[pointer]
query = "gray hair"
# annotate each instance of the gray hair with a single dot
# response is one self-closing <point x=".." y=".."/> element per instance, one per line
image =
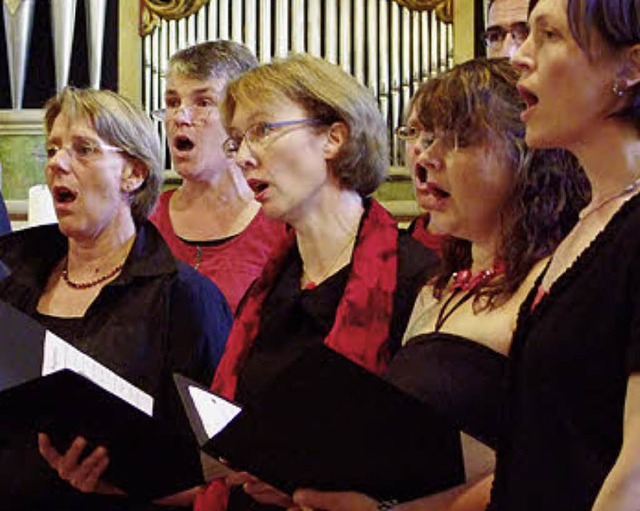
<point x="120" y="123"/>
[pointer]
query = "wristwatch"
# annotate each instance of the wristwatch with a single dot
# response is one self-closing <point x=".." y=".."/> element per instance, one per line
<point x="387" y="505"/>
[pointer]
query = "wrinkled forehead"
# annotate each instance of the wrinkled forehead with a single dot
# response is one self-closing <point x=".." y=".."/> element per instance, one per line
<point x="71" y="121"/>
<point x="185" y="85"/>
<point x="269" y="106"/>
<point x="504" y="13"/>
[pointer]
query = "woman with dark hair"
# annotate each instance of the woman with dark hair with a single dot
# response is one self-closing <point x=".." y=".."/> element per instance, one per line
<point x="574" y="422"/>
<point x="409" y="134"/>
<point x="503" y="210"/>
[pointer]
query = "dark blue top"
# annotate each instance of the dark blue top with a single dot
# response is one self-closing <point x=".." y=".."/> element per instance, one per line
<point x="157" y="317"/>
<point x="5" y="226"/>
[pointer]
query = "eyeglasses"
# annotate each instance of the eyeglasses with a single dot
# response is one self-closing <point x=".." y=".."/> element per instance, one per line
<point x="494" y="36"/>
<point x="258" y="134"/>
<point x="81" y="149"/>
<point x="197" y="113"/>
<point x="407" y="133"/>
<point x="428" y="138"/>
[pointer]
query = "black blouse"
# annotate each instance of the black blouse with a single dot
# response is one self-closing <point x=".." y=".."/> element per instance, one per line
<point x="570" y="361"/>
<point x="294" y="319"/>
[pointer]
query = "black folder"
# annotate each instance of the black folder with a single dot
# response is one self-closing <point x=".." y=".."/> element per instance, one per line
<point x="329" y="424"/>
<point x="148" y="458"/>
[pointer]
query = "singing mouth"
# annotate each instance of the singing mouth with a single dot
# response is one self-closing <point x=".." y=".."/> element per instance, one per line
<point x="529" y="97"/>
<point x="183" y="143"/>
<point x="436" y="191"/>
<point x="257" y="186"/>
<point x="421" y="174"/>
<point x="64" y="195"/>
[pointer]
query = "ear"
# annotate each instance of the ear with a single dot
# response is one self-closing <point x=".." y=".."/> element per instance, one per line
<point x="630" y="72"/>
<point x="133" y="176"/>
<point x="336" y="137"/>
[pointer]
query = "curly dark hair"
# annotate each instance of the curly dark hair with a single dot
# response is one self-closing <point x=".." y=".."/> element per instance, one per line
<point x="479" y="101"/>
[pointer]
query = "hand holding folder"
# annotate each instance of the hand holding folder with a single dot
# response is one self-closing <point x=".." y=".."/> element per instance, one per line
<point x="329" y="424"/>
<point x="47" y="385"/>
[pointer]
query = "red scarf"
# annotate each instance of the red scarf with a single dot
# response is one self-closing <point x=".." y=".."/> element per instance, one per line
<point x="420" y="231"/>
<point x="363" y="318"/>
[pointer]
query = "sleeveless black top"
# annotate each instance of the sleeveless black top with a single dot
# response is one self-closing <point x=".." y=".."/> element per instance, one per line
<point x="461" y="379"/>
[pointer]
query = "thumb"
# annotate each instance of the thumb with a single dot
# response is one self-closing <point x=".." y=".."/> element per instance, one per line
<point x="328" y="501"/>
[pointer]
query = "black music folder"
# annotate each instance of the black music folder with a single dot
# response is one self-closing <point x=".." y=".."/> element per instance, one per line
<point x="329" y="424"/>
<point x="48" y="385"/>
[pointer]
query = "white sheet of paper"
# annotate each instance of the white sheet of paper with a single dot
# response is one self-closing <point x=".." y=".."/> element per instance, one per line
<point x="59" y="354"/>
<point x="214" y="411"/>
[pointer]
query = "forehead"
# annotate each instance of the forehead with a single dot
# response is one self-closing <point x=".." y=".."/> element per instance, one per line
<point x="247" y="112"/>
<point x="184" y="85"/>
<point x="507" y="12"/>
<point x="77" y="125"/>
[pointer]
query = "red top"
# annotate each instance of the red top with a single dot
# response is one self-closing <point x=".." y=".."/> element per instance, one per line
<point x="232" y="265"/>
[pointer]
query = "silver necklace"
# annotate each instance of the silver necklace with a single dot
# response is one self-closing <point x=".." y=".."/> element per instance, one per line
<point x="626" y="190"/>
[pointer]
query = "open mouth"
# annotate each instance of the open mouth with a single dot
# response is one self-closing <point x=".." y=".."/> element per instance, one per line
<point x="529" y="97"/>
<point x="183" y="143"/>
<point x="436" y="191"/>
<point x="64" y="195"/>
<point x="421" y="174"/>
<point x="257" y="186"/>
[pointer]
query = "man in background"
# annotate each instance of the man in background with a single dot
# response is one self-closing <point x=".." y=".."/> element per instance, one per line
<point x="507" y="27"/>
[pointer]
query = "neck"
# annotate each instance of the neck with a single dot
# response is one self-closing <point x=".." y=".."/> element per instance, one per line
<point x="483" y="255"/>
<point x="101" y="253"/>
<point x="327" y="229"/>
<point x="611" y="160"/>
<point x="226" y="202"/>
<point x="222" y="191"/>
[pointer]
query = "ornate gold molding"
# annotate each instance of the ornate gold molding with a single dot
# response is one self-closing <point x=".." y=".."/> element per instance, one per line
<point x="443" y="8"/>
<point x="153" y="10"/>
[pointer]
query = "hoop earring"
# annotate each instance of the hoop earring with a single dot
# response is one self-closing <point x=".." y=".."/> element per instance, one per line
<point x="618" y="89"/>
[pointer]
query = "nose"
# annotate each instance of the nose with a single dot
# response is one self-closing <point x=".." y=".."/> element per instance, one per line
<point x="521" y="58"/>
<point x="509" y="46"/>
<point x="244" y="158"/>
<point x="413" y="148"/>
<point x="61" y="160"/>
<point x="183" y="115"/>
<point x="430" y="156"/>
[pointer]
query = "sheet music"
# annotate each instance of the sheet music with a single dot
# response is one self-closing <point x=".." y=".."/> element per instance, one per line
<point x="214" y="411"/>
<point x="59" y="355"/>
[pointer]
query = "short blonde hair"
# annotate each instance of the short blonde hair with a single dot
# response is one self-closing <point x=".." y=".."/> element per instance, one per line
<point x="119" y="123"/>
<point x="329" y="94"/>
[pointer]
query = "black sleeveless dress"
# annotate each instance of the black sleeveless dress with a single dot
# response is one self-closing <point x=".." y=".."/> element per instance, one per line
<point x="461" y="379"/>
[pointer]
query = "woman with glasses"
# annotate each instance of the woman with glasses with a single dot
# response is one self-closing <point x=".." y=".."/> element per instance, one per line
<point x="211" y="221"/>
<point x="503" y="209"/>
<point x="410" y="135"/>
<point x="312" y="145"/>
<point x="104" y="281"/>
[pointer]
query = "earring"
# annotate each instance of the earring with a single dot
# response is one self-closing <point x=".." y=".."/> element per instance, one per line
<point x="618" y="89"/>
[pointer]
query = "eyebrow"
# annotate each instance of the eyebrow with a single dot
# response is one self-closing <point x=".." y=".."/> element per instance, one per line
<point x="201" y="90"/>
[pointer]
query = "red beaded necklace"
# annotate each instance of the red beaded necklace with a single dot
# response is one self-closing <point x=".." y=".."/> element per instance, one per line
<point x="465" y="280"/>
<point x="91" y="283"/>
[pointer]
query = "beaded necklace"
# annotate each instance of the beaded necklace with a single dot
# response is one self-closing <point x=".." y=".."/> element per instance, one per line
<point x="465" y="280"/>
<point x="91" y="283"/>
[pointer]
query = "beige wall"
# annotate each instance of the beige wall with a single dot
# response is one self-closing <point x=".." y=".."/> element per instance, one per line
<point x="129" y="51"/>
<point x="463" y="30"/>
